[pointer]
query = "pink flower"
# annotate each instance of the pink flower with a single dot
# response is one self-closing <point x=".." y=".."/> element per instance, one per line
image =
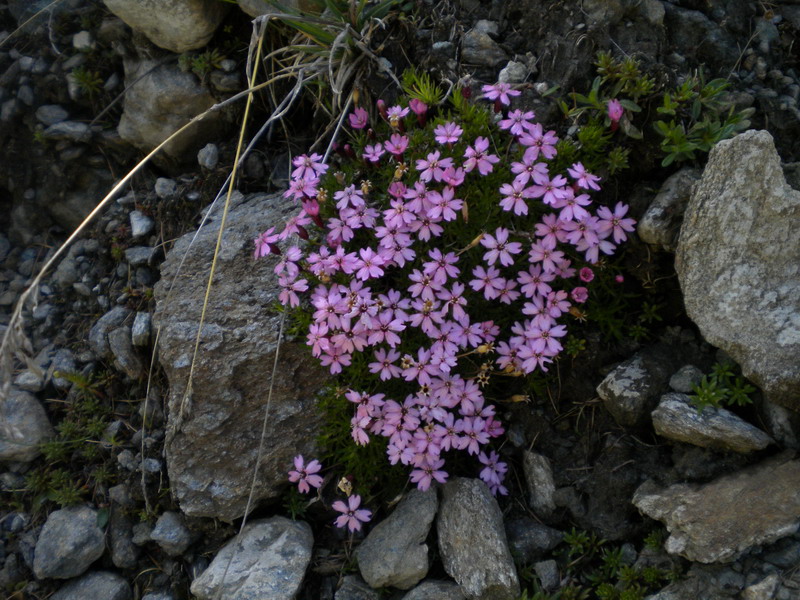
<point x="499" y="92"/>
<point x="499" y="247"/>
<point x="586" y="274"/>
<point x="614" y="222"/>
<point x="397" y="144"/>
<point x="305" y="475"/>
<point x="582" y="178"/>
<point x="418" y="106"/>
<point x="515" y="195"/>
<point x="517" y="122"/>
<point x="265" y="243"/>
<point x="309" y="167"/>
<point x="615" y="110"/>
<point x="351" y="516"/>
<point x="449" y="133"/>
<point x="427" y="472"/>
<point x="477" y="157"/>
<point x="579" y="294"/>
<point x="358" y="118"/>
<point x="433" y="167"/>
<point x="373" y="153"/>
<point x="619" y="278"/>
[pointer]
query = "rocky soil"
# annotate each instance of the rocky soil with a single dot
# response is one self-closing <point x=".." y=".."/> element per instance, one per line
<point x="120" y="482"/>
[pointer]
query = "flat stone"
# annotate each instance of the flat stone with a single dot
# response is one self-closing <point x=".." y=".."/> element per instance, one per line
<point x="395" y="553"/>
<point x="98" y="334"/>
<point x="738" y="263"/>
<point x="50" y="114"/>
<point x="719" y="521"/>
<point x="472" y="542"/>
<point x="529" y="540"/>
<point x="141" y="224"/>
<point x="138" y="255"/>
<point x="69" y="543"/>
<point x="478" y="48"/>
<point x="677" y="419"/>
<point x="268" y="560"/>
<point x="355" y="588"/>
<point x="547" y="572"/>
<point x="208" y="156"/>
<point x="24" y="427"/>
<point x="685" y="379"/>
<point x="166" y="188"/>
<point x="30" y="381"/>
<point x="74" y="131"/>
<point x="97" y="585"/>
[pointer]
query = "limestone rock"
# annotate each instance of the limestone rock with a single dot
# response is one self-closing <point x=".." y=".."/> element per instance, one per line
<point x="738" y="263"/>
<point x="677" y="419"/>
<point x="213" y="437"/>
<point x="175" y="25"/>
<point x="160" y="99"/>
<point x="435" y="590"/>
<point x="70" y="541"/>
<point x="472" y="542"/>
<point x="719" y="521"/>
<point x="171" y="534"/>
<point x="394" y="553"/>
<point x="269" y="560"/>
<point x="23" y="426"/>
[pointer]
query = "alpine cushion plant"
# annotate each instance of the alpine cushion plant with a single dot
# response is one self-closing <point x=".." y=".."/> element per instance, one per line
<point x="426" y="226"/>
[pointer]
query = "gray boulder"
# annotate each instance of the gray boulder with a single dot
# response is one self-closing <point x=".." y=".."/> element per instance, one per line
<point x="23" y="426"/>
<point x="176" y="25"/>
<point x="70" y="541"/>
<point x="394" y="553"/>
<point x="255" y="8"/>
<point x="268" y="560"/>
<point x="355" y="588"/>
<point x="472" y="542"/>
<point x="160" y="99"/>
<point x="478" y="48"/>
<point x="529" y="540"/>
<point x="100" y="584"/>
<point x="677" y="419"/>
<point x="738" y="263"/>
<point x="214" y="431"/>
<point x="98" y="334"/>
<point x="719" y="521"/>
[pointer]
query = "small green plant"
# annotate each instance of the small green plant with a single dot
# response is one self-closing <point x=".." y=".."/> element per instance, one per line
<point x="89" y="82"/>
<point x="420" y="85"/>
<point x="201" y="64"/>
<point x="724" y="386"/>
<point x="655" y="539"/>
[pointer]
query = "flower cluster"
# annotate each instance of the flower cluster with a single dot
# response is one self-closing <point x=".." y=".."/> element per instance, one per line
<point x="386" y="283"/>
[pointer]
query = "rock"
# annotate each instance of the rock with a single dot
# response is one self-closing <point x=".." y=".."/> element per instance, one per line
<point x="212" y="440"/>
<point x="719" y="521"/>
<point x="472" y="542"/>
<point x="699" y="37"/>
<point x="208" y="156"/>
<point x="158" y="596"/>
<point x="513" y="72"/>
<point x="685" y="379"/>
<point x="764" y="589"/>
<point x="70" y="541"/>
<point x="171" y="534"/>
<point x="50" y="114"/>
<point x="30" y="381"/>
<point x="163" y="100"/>
<point x="631" y="391"/>
<point x="478" y="48"/>
<point x="354" y="588"/>
<point x="63" y="362"/>
<point x="124" y="552"/>
<point x="141" y="224"/>
<point x="23" y="427"/>
<point x="781" y="423"/>
<point x="141" y="534"/>
<point x="100" y="584"/>
<point x="138" y="255"/>
<point x="677" y="419"/>
<point x="738" y="263"/>
<point x="547" y="572"/>
<point x="83" y="41"/>
<point x="435" y="590"/>
<point x="140" y="332"/>
<point x="541" y="487"/>
<point x="165" y="187"/>
<point x="394" y="553"/>
<point x="709" y="582"/>
<point x="529" y="540"/>
<point x="268" y="560"/>
<point x="98" y="334"/>
<point x="662" y="220"/>
<point x="73" y="131"/>
<point x="125" y="356"/>
<point x="175" y="25"/>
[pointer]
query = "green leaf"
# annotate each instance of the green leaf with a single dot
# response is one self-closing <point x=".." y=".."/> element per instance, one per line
<point x="630" y="105"/>
<point x="103" y="515"/>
